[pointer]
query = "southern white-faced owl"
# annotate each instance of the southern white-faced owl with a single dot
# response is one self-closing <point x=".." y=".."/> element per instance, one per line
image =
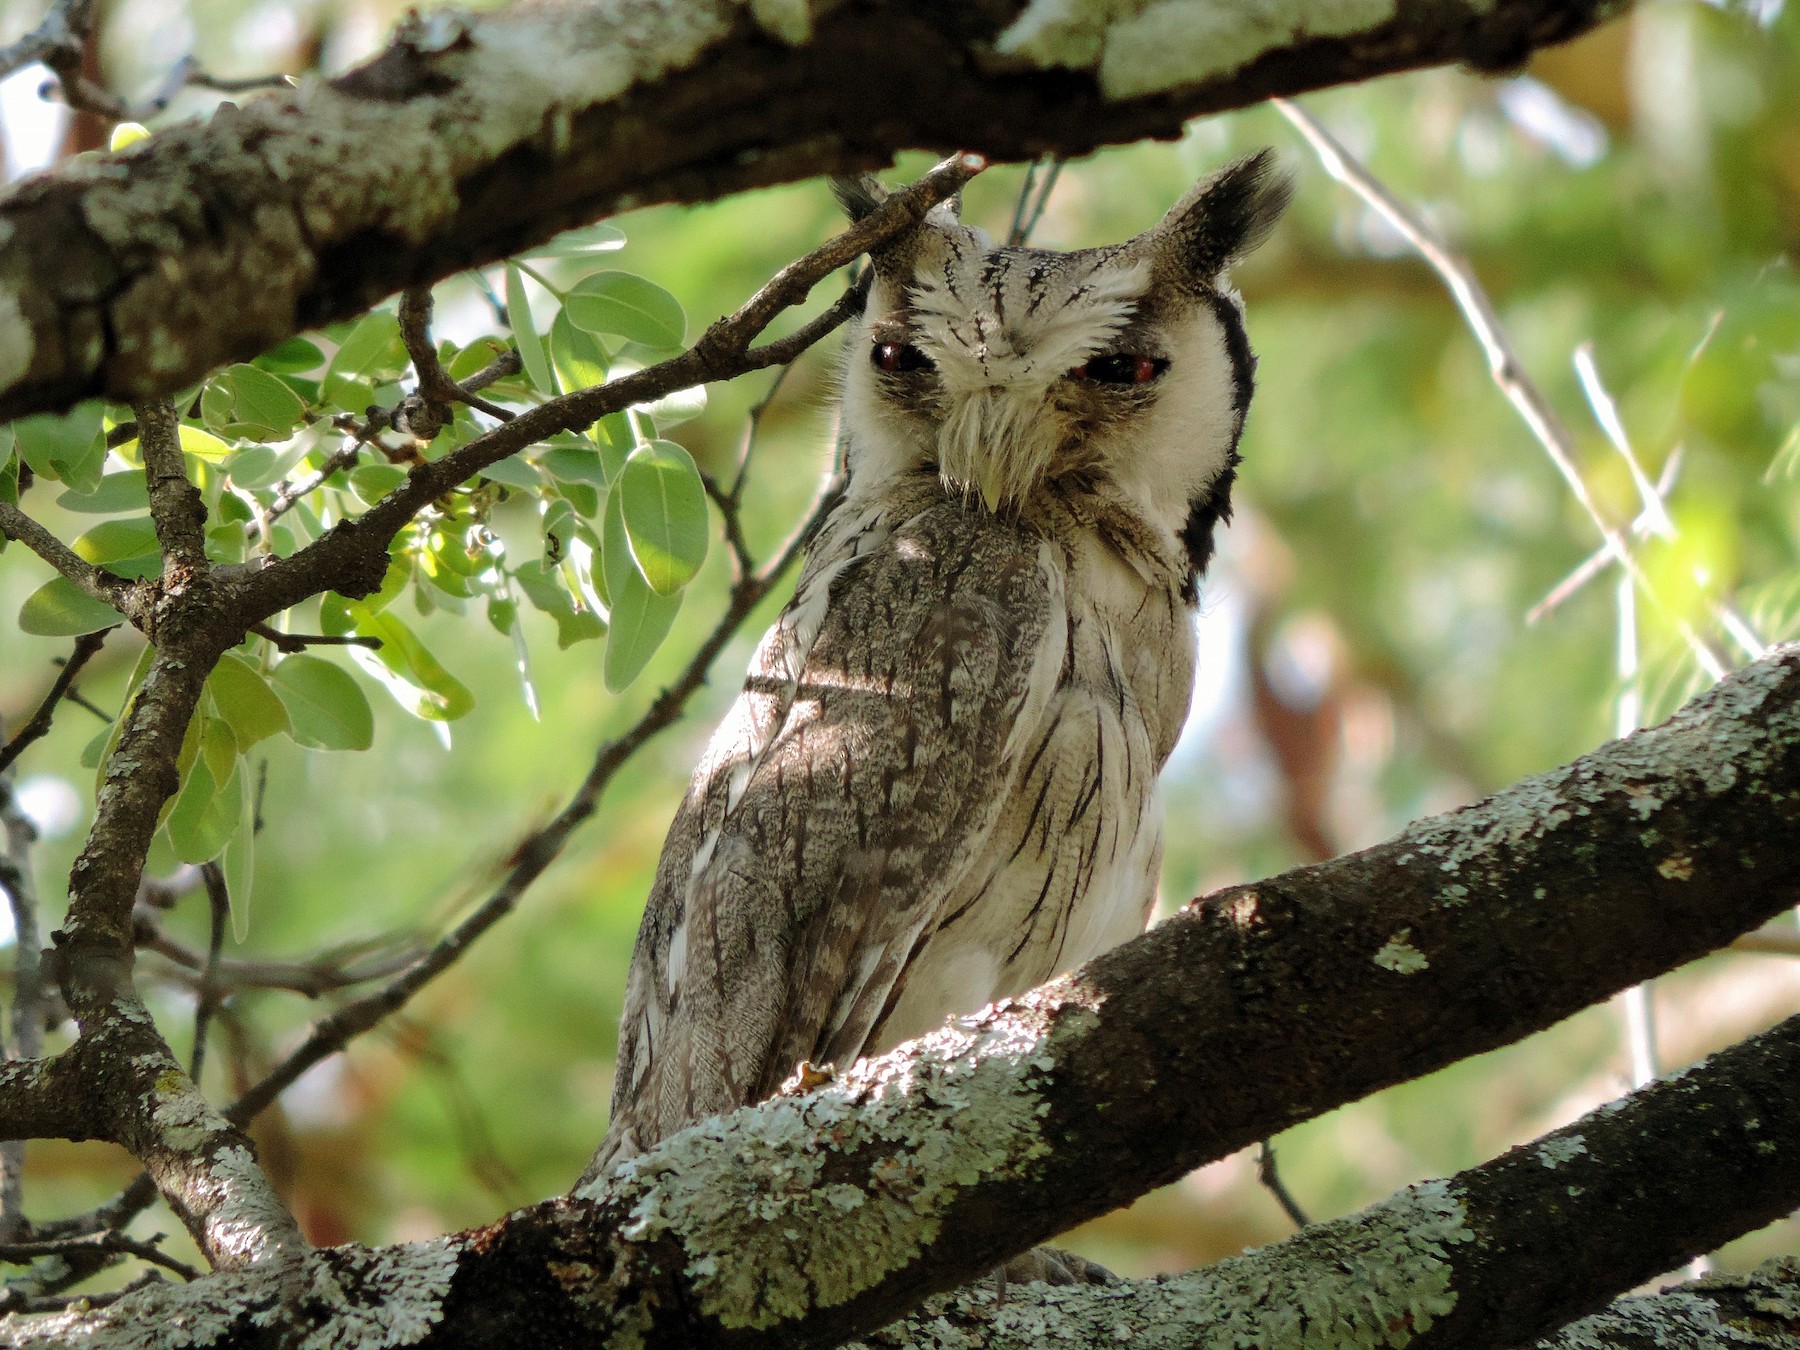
<point x="938" y="787"/>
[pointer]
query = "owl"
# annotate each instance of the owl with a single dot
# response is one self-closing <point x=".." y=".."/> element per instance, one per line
<point x="939" y="785"/>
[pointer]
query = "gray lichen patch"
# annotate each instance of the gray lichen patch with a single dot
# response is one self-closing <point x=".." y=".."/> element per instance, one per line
<point x="1553" y="1153"/>
<point x="1400" y="956"/>
<point x="1148" y="46"/>
<point x="1690" y="1315"/>
<point x="352" y="1298"/>
<point x="1376" y="1279"/>
<point x="776" y="1220"/>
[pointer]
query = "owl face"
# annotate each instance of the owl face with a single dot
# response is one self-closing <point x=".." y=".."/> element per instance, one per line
<point x="1007" y="368"/>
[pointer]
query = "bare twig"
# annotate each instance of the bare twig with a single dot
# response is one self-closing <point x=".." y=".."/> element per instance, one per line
<point x="1028" y="211"/>
<point x="290" y="643"/>
<point x="85" y="647"/>
<point x="206" y="996"/>
<point x="309" y="978"/>
<point x="436" y="388"/>
<point x="111" y="1243"/>
<point x="1508" y="374"/>
<point x="1270" y="1177"/>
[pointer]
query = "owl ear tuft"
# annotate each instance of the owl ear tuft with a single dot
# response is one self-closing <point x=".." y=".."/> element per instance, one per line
<point x="1222" y="219"/>
<point x="858" y="195"/>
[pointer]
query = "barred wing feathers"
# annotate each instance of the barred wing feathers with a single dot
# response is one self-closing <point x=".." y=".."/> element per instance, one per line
<point x="853" y="785"/>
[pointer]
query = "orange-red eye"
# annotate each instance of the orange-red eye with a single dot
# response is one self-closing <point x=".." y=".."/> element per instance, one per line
<point x="898" y="358"/>
<point x="1120" y="368"/>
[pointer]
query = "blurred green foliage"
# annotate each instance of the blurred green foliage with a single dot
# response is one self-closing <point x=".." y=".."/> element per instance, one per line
<point x="1365" y="648"/>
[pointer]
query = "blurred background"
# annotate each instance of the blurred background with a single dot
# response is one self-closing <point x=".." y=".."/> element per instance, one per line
<point x="1374" y="640"/>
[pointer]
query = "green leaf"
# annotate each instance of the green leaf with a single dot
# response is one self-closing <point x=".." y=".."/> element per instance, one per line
<point x="207" y="812"/>
<point x="578" y="356"/>
<point x="114" y="492"/>
<point x="663" y="506"/>
<point x="239" y="863"/>
<point x="406" y="667"/>
<point x="370" y="351"/>
<point x="640" y="618"/>
<point x="254" y="466"/>
<point x="264" y="407"/>
<point x="327" y="707"/>
<point x="628" y="306"/>
<point x="296" y="356"/>
<point x="67" y="447"/>
<point x="514" y="472"/>
<point x="245" y="701"/>
<point x="544" y="587"/>
<point x="372" y="482"/>
<point x="127" y="134"/>
<point x="558" y="525"/>
<point x="113" y="540"/>
<point x="60" y="608"/>
<point x="591" y="239"/>
<point x="525" y="333"/>
<point x="571" y="464"/>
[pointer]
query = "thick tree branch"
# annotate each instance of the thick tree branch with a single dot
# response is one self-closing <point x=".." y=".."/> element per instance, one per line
<point x="473" y="137"/>
<point x="812" y="1218"/>
<point x="176" y="507"/>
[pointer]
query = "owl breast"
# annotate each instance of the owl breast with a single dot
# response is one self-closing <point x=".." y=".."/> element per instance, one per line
<point x="1069" y="868"/>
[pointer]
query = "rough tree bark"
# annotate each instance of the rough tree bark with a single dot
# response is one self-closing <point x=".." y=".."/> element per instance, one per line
<point x="470" y="138"/>
<point x="812" y="1219"/>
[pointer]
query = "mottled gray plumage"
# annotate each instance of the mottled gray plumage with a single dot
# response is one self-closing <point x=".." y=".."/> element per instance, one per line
<point x="938" y="786"/>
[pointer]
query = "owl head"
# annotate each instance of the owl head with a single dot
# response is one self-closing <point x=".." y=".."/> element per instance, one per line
<point x="1006" y="369"/>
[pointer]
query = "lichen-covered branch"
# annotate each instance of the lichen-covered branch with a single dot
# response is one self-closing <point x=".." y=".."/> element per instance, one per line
<point x="813" y="1218"/>
<point x="176" y="506"/>
<point x="472" y="137"/>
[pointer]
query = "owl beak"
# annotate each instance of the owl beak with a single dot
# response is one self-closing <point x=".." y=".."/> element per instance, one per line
<point x="987" y="482"/>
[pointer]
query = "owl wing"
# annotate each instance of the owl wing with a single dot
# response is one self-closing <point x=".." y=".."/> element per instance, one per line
<point x="856" y="778"/>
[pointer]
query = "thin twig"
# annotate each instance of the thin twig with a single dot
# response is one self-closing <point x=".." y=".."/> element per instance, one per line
<point x="1504" y="366"/>
<point x="436" y="387"/>
<point x="39" y="724"/>
<point x="1270" y="1176"/>
<point x="111" y="1243"/>
<point x="95" y="582"/>
<point x="290" y="643"/>
<point x="206" y="997"/>
<point x="309" y="978"/>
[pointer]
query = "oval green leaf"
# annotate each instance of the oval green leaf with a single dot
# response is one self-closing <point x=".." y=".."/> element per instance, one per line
<point x="60" y="608"/>
<point x="640" y="618"/>
<point x="663" y="506"/>
<point x="327" y="708"/>
<point x="525" y="333"/>
<point x="628" y="306"/>
<point x="245" y="700"/>
<point x="114" y="492"/>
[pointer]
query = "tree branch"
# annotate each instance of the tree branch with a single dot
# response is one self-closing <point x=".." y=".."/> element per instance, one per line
<point x="95" y="582"/>
<point x="812" y="1218"/>
<point x="324" y="199"/>
<point x="39" y="723"/>
<point x="176" y="508"/>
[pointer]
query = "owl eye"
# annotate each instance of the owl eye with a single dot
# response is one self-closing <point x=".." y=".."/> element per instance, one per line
<point x="898" y="358"/>
<point x="1120" y="368"/>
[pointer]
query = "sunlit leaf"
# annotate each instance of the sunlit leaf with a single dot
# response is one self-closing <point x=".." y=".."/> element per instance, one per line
<point x="264" y="407"/>
<point x="544" y="587"/>
<point x="663" y="505"/>
<point x="245" y="701"/>
<point x="60" y="608"/>
<point x="67" y="447"/>
<point x="328" y="709"/>
<point x="207" y="812"/>
<point x="126" y="134"/>
<point x="112" y="540"/>
<point x="578" y="356"/>
<point x="369" y="351"/>
<point x="406" y="667"/>
<point x="296" y="356"/>
<point x="372" y="482"/>
<point x="590" y="239"/>
<point x="525" y="333"/>
<point x="628" y="306"/>
<point x="640" y="618"/>
<point x="114" y="492"/>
